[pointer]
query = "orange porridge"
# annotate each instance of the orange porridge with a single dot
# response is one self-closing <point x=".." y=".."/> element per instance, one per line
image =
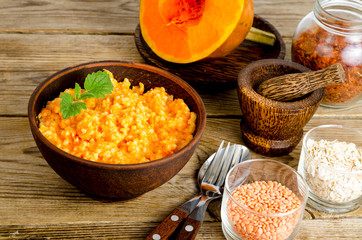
<point x="127" y="126"/>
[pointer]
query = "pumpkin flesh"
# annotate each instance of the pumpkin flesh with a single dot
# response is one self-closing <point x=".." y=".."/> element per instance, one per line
<point x="185" y="31"/>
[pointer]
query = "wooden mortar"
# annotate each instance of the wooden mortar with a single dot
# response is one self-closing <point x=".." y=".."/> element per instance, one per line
<point x="270" y="127"/>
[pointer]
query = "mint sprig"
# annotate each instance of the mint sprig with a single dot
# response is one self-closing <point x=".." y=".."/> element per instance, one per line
<point x="96" y="85"/>
<point x="69" y="107"/>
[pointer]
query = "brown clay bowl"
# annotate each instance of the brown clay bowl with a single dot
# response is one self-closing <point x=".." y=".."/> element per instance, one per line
<point x="272" y="127"/>
<point x="115" y="181"/>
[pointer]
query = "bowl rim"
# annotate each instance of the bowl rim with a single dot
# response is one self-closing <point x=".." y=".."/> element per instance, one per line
<point x="314" y="98"/>
<point x="89" y="163"/>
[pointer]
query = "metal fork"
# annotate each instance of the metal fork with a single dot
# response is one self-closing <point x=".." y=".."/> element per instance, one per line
<point x="211" y="187"/>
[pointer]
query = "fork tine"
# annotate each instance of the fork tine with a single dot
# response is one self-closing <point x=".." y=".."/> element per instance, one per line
<point x="246" y="154"/>
<point x="227" y="161"/>
<point x="209" y="170"/>
<point x="217" y="169"/>
<point x="216" y="164"/>
<point x="223" y="160"/>
<point x="238" y="155"/>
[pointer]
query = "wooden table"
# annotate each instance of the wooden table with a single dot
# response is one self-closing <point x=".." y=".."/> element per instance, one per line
<point x="38" y="38"/>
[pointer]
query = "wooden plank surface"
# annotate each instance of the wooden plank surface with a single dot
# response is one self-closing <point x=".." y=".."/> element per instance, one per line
<point x="118" y="17"/>
<point x="311" y="229"/>
<point x="31" y="188"/>
<point x="19" y="85"/>
<point x="40" y="37"/>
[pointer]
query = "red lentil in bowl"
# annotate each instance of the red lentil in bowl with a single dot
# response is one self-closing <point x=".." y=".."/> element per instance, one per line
<point x="115" y="181"/>
<point x="127" y="126"/>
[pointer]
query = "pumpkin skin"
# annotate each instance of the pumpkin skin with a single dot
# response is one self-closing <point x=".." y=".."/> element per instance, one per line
<point x="185" y="31"/>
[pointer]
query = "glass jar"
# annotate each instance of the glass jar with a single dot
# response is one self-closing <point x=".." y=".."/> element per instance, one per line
<point x="263" y="199"/>
<point x="332" y="33"/>
<point x="330" y="163"/>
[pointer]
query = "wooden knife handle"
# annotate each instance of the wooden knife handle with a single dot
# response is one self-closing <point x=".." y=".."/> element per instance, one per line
<point x="193" y="222"/>
<point x="189" y="229"/>
<point x="165" y="229"/>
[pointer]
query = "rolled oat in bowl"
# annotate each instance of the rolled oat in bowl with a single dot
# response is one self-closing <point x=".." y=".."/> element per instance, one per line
<point x="331" y="163"/>
<point x="341" y="157"/>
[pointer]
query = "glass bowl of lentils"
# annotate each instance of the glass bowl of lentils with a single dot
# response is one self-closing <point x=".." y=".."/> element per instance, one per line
<point x="263" y="199"/>
<point x="331" y="164"/>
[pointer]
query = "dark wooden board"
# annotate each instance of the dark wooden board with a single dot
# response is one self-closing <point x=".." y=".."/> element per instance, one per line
<point x="221" y="71"/>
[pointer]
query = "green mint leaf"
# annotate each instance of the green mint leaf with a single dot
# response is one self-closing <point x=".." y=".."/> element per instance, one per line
<point x="96" y="85"/>
<point x="68" y="108"/>
<point x="66" y="100"/>
<point x="99" y="84"/>
<point x="77" y="91"/>
<point x="86" y="95"/>
<point x="75" y="108"/>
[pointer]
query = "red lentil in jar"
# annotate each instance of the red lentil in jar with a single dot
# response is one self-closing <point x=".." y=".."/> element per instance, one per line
<point x="263" y="199"/>
<point x="268" y="201"/>
<point x="333" y="33"/>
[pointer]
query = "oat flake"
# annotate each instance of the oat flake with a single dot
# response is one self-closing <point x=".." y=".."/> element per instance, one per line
<point x="332" y="170"/>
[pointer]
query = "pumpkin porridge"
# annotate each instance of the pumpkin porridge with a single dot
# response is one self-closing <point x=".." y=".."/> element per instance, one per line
<point x="126" y="127"/>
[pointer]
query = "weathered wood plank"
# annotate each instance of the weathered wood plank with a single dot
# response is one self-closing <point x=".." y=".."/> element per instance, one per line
<point x="16" y="88"/>
<point x="51" y="53"/>
<point x="310" y="229"/>
<point x="118" y="17"/>
<point x="69" y="16"/>
<point x="41" y="52"/>
<point x="40" y="37"/>
<point x="29" y="187"/>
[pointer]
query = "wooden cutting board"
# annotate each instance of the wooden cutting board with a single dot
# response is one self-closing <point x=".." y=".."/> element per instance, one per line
<point x="222" y="71"/>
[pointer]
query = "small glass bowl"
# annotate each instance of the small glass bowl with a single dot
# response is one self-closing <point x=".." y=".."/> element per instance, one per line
<point x="241" y="222"/>
<point x="332" y="190"/>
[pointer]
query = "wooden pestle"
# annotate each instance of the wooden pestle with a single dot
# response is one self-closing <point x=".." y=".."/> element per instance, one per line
<point x="292" y="86"/>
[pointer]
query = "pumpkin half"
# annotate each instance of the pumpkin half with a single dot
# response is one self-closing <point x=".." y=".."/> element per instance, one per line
<point x="185" y="31"/>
